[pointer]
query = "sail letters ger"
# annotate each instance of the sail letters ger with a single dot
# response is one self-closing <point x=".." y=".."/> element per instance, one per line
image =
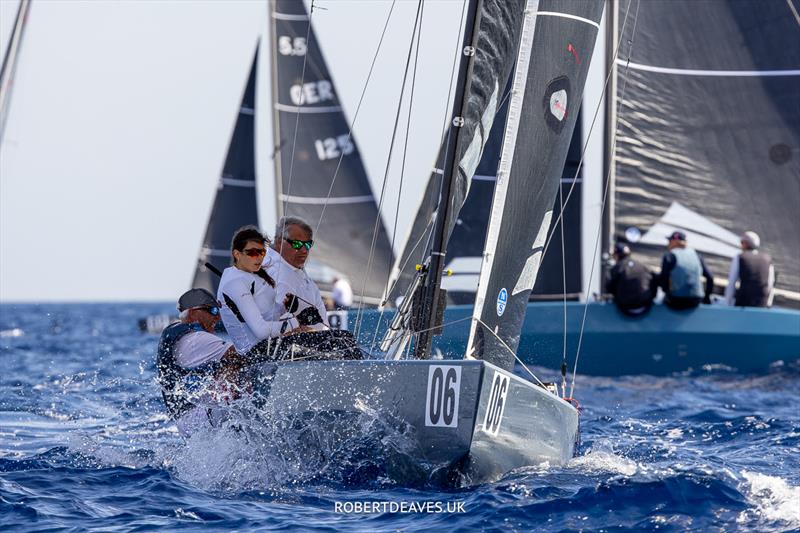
<point x="235" y="202"/>
<point x="311" y="137"/>
<point x="710" y="120"/>
<point x="556" y="45"/>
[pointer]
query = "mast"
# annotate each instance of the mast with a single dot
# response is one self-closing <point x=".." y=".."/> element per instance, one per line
<point x="10" y="59"/>
<point x="431" y="290"/>
<point x="609" y="165"/>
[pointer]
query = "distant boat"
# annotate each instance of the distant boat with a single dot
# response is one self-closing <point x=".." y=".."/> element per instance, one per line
<point x="700" y="181"/>
<point x="309" y="151"/>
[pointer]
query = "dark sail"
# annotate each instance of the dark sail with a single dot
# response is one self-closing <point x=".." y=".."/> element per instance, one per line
<point x="311" y="137"/>
<point x="555" y="49"/>
<point x="709" y="131"/>
<point x="235" y="202"/>
<point x="465" y="247"/>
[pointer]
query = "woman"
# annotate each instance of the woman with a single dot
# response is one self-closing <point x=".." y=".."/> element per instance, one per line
<point x="247" y="293"/>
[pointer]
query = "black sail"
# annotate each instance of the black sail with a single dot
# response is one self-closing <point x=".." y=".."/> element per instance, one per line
<point x="709" y="131"/>
<point x="311" y="137"/>
<point x="235" y="202"/>
<point x="555" y="49"/>
<point x="465" y="247"/>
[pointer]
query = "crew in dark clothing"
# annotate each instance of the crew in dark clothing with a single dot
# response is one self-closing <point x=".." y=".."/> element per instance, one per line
<point x="754" y="271"/>
<point x="681" y="269"/>
<point x="630" y="282"/>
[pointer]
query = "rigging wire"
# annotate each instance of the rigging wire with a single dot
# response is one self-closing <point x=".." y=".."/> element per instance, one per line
<point x="564" y="291"/>
<point x="608" y="180"/>
<point x="444" y="135"/>
<point x="359" y="314"/>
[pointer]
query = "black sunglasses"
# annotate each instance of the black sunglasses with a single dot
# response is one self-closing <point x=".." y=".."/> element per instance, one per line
<point x="299" y="244"/>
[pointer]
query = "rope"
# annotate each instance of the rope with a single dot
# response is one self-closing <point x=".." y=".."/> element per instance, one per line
<point x="503" y="343"/>
<point x="608" y="181"/>
<point x="563" y="290"/>
<point x="417" y="21"/>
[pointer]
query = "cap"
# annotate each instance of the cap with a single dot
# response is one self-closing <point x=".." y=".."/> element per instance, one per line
<point x="196" y="298"/>
<point x="621" y="249"/>
<point x="676" y="236"/>
<point x="752" y="239"/>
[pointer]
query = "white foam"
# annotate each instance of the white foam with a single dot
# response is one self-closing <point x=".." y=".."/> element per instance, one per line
<point x="602" y="459"/>
<point x="772" y="498"/>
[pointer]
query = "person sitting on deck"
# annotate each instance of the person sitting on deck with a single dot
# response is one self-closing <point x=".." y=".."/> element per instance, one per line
<point x="248" y="294"/>
<point x="754" y="272"/>
<point x="194" y="365"/>
<point x="295" y="291"/>
<point x="681" y="269"/>
<point x="630" y="282"/>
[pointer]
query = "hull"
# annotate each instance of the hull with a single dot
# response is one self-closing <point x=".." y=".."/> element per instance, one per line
<point x="453" y="416"/>
<point x="662" y="342"/>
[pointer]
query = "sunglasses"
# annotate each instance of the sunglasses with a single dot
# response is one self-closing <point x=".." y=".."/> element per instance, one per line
<point x="254" y="252"/>
<point x="213" y="311"/>
<point x="299" y="244"/>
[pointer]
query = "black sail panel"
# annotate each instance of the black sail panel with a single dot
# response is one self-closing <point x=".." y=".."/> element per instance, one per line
<point x="708" y="136"/>
<point x="235" y="201"/>
<point x="311" y="137"/>
<point x="556" y="47"/>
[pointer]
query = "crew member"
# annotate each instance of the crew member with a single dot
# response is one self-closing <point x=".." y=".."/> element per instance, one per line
<point x="342" y="294"/>
<point x="630" y="282"/>
<point x="681" y="269"/>
<point x="755" y="273"/>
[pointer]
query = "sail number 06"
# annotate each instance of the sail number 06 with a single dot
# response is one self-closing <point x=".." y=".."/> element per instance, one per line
<point x="496" y="405"/>
<point x="444" y="388"/>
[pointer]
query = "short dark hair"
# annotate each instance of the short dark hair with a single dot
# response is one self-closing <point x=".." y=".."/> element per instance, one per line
<point x="244" y="235"/>
<point x="282" y="227"/>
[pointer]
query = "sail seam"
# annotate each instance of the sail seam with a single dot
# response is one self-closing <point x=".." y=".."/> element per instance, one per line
<point x="216" y="252"/>
<point x="708" y="72"/>
<point x="568" y="16"/>
<point x="287" y="16"/>
<point x="506" y="158"/>
<point x="233" y="182"/>
<point x="322" y="200"/>
<point x="295" y="109"/>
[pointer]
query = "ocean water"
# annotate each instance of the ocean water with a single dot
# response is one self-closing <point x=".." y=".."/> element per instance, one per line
<point x="85" y="444"/>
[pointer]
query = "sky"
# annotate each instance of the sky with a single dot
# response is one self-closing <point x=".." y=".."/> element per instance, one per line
<point x="122" y="112"/>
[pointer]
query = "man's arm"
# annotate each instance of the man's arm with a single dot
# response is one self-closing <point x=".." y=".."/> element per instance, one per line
<point x="733" y="275"/>
<point x="611" y="282"/>
<point x="667" y="264"/>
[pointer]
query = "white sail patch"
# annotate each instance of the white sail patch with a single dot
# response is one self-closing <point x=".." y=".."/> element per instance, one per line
<point x="472" y="155"/>
<point x="558" y="104"/>
<point x="312" y="92"/>
<point x="528" y="275"/>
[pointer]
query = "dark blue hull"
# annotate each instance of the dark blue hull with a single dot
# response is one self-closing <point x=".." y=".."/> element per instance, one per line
<point x="662" y="342"/>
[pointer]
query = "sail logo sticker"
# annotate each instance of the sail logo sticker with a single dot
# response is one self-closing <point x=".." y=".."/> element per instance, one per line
<point x="502" y="300"/>
<point x="497" y="404"/>
<point x="444" y="389"/>
<point x="556" y="100"/>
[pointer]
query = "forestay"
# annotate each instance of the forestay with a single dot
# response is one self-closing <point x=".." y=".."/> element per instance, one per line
<point x="709" y="130"/>
<point x="235" y="201"/>
<point x="319" y="173"/>
<point x="556" y="45"/>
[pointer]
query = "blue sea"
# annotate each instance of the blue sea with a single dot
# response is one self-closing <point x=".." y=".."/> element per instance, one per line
<point x="85" y="445"/>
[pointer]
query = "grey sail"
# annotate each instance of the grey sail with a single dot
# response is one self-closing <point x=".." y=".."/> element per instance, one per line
<point x="556" y="46"/>
<point x="319" y="173"/>
<point x="465" y="246"/>
<point x="10" y="59"/>
<point x="235" y="201"/>
<point x="709" y="131"/>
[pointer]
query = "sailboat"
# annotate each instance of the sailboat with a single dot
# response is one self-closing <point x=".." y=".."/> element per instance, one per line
<point x="319" y="174"/>
<point x="659" y="181"/>
<point x="475" y="414"/>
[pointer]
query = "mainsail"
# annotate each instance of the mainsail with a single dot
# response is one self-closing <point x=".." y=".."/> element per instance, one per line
<point x="235" y="202"/>
<point x="709" y="130"/>
<point x="556" y="45"/>
<point x="319" y="173"/>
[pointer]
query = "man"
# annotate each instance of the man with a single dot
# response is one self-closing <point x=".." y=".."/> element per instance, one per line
<point x="192" y="362"/>
<point x="342" y="294"/>
<point x="284" y="262"/>
<point x="630" y="282"/>
<point x="681" y="269"/>
<point x="754" y="272"/>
